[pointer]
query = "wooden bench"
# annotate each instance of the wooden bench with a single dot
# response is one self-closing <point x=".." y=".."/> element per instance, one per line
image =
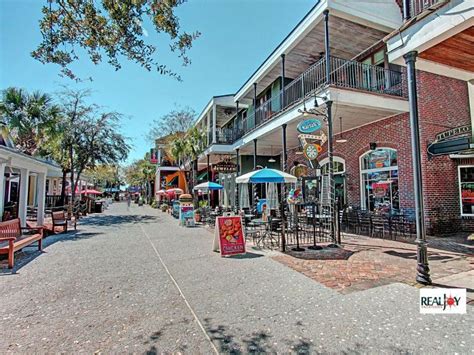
<point x="12" y="239"/>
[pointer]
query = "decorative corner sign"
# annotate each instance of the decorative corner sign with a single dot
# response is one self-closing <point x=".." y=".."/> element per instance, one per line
<point x="309" y="126"/>
<point x="311" y="151"/>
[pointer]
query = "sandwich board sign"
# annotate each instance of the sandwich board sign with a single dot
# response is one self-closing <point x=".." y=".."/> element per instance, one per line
<point x="229" y="236"/>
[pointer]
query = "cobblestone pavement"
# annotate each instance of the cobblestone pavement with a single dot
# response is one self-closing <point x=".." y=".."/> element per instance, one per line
<point x="364" y="263"/>
<point x="133" y="281"/>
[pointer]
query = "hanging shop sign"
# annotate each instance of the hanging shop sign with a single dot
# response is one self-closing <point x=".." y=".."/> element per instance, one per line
<point x="225" y="167"/>
<point x="309" y="126"/>
<point x="299" y="170"/>
<point x="452" y="141"/>
<point x="453" y="132"/>
<point x="229" y="236"/>
<point x="311" y="151"/>
<point x="450" y="146"/>
<point x="321" y="137"/>
<point x="153" y="156"/>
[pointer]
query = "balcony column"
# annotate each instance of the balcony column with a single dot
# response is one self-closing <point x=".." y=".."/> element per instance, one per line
<point x="41" y="198"/>
<point x="255" y="95"/>
<point x="2" y="188"/>
<point x="284" y="163"/>
<point x="406" y="10"/>
<point x="237" y="125"/>
<point x="254" y="192"/>
<point x="237" y="186"/>
<point x="423" y="270"/>
<point x="330" y="128"/>
<point x="327" y="47"/>
<point x="282" y="82"/>
<point x="214" y="124"/>
<point x="208" y="168"/>
<point x="209" y="129"/>
<point x="255" y="104"/>
<point x="331" y="168"/>
<point x="23" y="198"/>
<point x="283" y="189"/>
<point x="254" y="154"/>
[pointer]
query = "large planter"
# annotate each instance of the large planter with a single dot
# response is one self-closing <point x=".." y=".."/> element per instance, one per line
<point x="197" y="216"/>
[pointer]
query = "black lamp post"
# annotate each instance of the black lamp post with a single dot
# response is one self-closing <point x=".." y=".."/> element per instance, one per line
<point x="423" y="270"/>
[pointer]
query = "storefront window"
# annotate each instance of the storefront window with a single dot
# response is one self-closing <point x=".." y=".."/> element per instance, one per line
<point x="466" y="190"/>
<point x="379" y="177"/>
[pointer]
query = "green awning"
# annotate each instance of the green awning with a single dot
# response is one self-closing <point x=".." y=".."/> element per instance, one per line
<point x="202" y="177"/>
<point x="173" y="182"/>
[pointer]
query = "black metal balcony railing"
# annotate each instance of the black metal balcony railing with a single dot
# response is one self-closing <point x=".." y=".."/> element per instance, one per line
<point x="418" y="6"/>
<point x="343" y="73"/>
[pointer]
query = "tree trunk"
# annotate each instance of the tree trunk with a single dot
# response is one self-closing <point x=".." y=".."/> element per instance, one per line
<point x="73" y="186"/>
<point x="63" y="188"/>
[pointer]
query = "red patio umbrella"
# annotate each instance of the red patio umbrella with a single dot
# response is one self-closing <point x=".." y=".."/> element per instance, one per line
<point x="91" y="192"/>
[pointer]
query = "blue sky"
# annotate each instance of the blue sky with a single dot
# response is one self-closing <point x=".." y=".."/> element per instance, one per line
<point x="237" y="35"/>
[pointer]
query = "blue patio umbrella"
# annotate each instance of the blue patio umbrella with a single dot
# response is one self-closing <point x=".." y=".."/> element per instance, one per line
<point x="265" y="176"/>
<point x="209" y="185"/>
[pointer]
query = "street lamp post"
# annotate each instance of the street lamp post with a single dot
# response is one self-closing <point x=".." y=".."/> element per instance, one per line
<point x="423" y="270"/>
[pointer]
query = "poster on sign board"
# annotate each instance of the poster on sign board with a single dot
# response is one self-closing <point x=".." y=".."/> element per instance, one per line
<point x="229" y="236"/>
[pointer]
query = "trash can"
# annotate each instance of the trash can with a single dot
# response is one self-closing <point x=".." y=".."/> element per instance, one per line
<point x="98" y="207"/>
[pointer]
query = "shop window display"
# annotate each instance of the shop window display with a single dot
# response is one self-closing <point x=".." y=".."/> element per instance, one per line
<point x="379" y="178"/>
<point x="466" y="190"/>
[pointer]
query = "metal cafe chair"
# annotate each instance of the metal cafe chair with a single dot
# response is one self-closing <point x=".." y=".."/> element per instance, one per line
<point x="378" y="226"/>
<point x="364" y="223"/>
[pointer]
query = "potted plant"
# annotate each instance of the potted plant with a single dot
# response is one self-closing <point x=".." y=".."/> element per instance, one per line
<point x="164" y="207"/>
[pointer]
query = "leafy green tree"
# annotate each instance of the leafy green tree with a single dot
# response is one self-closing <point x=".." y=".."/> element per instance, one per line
<point x="85" y="137"/>
<point x="113" y="29"/>
<point x="105" y="175"/>
<point x="30" y="118"/>
<point x="141" y="173"/>
<point x="175" y="122"/>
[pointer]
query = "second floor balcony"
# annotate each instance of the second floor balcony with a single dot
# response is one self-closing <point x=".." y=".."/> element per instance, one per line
<point x="345" y="74"/>
<point x="416" y="7"/>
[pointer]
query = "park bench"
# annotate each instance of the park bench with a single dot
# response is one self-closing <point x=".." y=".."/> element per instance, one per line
<point x="12" y="239"/>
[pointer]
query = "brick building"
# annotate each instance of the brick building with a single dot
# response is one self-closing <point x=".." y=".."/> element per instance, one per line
<point x="443" y="104"/>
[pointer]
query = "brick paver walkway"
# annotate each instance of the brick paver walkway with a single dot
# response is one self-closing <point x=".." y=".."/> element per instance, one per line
<point x="363" y="263"/>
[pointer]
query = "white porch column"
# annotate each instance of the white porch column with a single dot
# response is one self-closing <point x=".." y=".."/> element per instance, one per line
<point x="214" y="124"/>
<point x="2" y="188"/>
<point x="209" y="130"/>
<point x="157" y="181"/>
<point x="41" y="197"/>
<point x="23" y="199"/>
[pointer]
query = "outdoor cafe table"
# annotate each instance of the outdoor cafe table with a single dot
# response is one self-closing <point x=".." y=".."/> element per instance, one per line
<point x="264" y="232"/>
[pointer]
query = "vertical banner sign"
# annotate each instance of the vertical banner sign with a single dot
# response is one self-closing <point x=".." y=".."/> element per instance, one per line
<point x="229" y="236"/>
<point x="153" y="156"/>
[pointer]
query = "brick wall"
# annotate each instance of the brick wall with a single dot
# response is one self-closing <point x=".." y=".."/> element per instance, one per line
<point x="443" y="104"/>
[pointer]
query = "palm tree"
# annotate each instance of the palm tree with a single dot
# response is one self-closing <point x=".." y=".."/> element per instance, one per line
<point x="177" y="149"/>
<point x="30" y="118"/>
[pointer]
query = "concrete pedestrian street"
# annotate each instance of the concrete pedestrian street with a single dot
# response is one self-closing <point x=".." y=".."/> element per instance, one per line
<point x="134" y="281"/>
